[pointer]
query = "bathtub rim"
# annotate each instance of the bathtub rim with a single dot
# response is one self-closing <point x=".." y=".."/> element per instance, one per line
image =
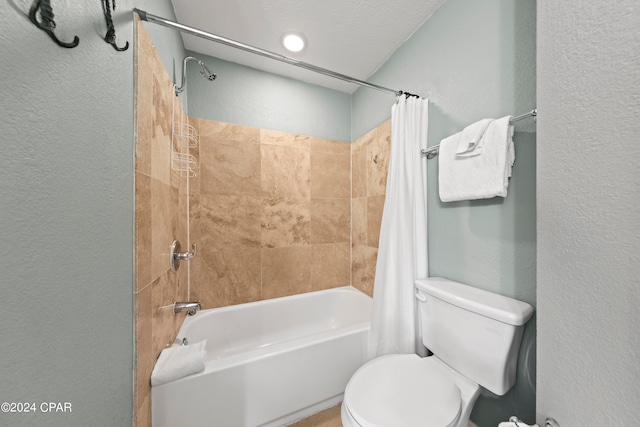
<point x="271" y="350"/>
<point x="202" y="313"/>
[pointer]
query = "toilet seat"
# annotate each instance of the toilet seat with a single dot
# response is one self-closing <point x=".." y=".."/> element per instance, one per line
<point x="402" y="390"/>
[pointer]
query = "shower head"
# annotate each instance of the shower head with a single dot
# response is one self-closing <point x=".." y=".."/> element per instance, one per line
<point x="203" y="70"/>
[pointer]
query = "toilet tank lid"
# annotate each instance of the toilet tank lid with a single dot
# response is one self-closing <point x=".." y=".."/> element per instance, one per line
<point x="498" y="307"/>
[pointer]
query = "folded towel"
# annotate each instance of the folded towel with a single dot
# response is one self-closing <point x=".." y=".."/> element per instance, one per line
<point x="477" y="177"/>
<point x="469" y="143"/>
<point x="179" y="361"/>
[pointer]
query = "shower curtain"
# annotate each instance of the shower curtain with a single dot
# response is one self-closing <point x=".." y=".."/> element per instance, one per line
<point x="402" y="253"/>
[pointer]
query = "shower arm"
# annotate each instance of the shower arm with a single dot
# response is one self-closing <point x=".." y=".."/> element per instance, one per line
<point x="204" y="71"/>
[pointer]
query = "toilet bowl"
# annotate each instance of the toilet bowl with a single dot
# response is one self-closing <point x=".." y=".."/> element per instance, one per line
<point x="475" y="339"/>
<point x="406" y="390"/>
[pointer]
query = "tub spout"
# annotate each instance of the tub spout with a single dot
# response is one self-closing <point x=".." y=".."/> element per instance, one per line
<point x="190" y="308"/>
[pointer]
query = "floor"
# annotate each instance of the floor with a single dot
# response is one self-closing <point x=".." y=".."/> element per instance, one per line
<point x="330" y="418"/>
<point x="327" y="418"/>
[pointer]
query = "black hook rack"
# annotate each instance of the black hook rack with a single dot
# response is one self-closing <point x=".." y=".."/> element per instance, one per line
<point x="110" y="37"/>
<point x="48" y="24"/>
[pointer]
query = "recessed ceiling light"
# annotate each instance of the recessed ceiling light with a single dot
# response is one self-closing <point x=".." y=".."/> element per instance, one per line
<point x="294" y="41"/>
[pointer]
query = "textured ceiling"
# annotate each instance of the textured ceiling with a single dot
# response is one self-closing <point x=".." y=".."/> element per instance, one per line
<point x="352" y="37"/>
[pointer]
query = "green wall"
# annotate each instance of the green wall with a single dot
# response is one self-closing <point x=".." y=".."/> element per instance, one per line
<point x="587" y="210"/>
<point x="246" y="96"/>
<point x="474" y="60"/>
<point x="66" y="214"/>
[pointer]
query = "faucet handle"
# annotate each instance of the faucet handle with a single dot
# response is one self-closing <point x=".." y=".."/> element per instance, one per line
<point x="177" y="256"/>
<point x="188" y="255"/>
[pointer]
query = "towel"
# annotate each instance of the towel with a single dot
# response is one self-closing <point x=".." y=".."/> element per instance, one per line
<point x="179" y="361"/>
<point x="469" y="143"/>
<point x="477" y="177"/>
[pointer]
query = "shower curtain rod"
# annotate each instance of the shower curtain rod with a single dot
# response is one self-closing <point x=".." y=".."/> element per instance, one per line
<point x="256" y="50"/>
<point x="432" y="151"/>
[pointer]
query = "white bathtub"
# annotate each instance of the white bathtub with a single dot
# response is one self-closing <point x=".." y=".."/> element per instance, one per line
<point x="269" y="363"/>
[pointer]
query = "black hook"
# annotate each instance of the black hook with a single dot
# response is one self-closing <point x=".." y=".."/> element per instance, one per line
<point x="110" y="37"/>
<point x="48" y="24"/>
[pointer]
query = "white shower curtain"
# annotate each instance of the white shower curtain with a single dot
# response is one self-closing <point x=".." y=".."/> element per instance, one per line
<point x="402" y="253"/>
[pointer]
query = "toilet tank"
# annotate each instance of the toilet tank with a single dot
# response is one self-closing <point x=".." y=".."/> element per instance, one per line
<point x="475" y="332"/>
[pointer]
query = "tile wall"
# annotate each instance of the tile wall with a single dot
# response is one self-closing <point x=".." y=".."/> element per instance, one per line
<point x="270" y="211"/>
<point x="370" y="163"/>
<point x="160" y="217"/>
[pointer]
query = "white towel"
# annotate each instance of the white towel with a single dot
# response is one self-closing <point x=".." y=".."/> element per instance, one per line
<point x="179" y="361"/>
<point x="469" y="143"/>
<point x="477" y="177"/>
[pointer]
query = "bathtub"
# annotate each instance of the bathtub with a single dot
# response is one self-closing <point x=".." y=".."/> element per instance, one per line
<point x="269" y="363"/>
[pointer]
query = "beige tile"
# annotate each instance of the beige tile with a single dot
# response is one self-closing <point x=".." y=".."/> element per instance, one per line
<point x="144" y="357"/>
<point x="274" y="137"/>
<point x="359" y="221"/>
<point x="180" y="198"/>
<point x="378" y="153"/>
<point x="163" y="226"/>
<point x="161" y="133"/>
<point x="163" y="318"/>
<point x="286" y="271"/>
<point x="230" y="167"/>
<point x="330" y="146"/>
<point x="194" y="207"/>
<point x="330" y="221"/>
<point x="363" y="267"/>
<point x="285" y="222"/>
<point x="230" y="223"/>
<point x="196" y="267"/>
<point x="327" y="418"/>
<point x="143" y="413"/>
<point x="375" y="206"/>
<point x="182" y="280"/>
<point x="359" y="172"/>
<point x="358" y="266"/>
<point x="285" y="172"/>
<point x="330" y="266"/>
<point x="211" y="131"/>
<point x="144" y="100"/>
<point x="228" y="278"/>
<point x="330" y="175"/>
<point x="371" y="257"/>
<point x="143" y="230"/>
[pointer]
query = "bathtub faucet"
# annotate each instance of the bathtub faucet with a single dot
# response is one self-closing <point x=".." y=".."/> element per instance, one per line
<point x="190" y="308"/>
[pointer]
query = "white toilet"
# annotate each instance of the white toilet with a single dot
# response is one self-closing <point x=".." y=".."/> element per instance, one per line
<point x="475" y="339"/>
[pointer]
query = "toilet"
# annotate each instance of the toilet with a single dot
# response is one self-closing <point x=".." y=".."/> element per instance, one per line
<point x="474" y="336"/>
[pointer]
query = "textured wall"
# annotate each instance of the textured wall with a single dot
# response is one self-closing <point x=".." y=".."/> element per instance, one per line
<point x="474" y="60"/>
<point x="246" y="96"/>
<point x="67" y="210"/>
<point x="588" y="222"/>
<point x="66" y="217"/>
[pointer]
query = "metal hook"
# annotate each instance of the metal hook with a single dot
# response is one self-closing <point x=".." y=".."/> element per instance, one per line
<point x="110" y="37"/>
<point x="48" y="24"/>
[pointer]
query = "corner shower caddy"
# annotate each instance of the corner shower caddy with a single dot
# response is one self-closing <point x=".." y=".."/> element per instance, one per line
<point x="183" y="138"/>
